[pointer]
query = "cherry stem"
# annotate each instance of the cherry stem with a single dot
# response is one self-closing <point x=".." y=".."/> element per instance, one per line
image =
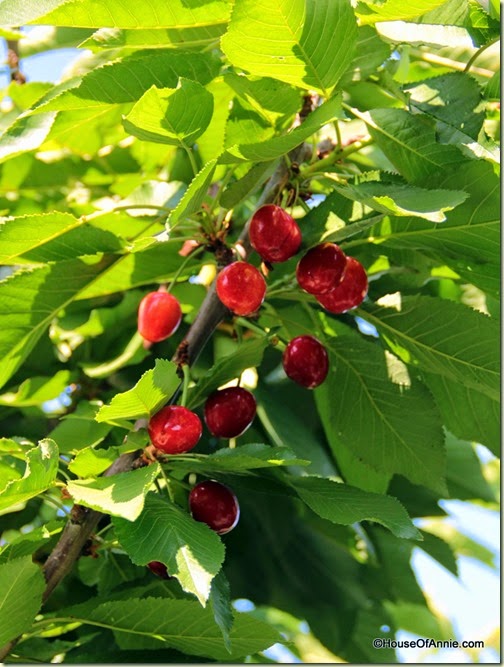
<point x="180" y="270"/>
<point x="185" y="385"/>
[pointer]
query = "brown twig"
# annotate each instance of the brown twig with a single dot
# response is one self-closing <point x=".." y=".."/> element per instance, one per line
<point x="83" y="521"/>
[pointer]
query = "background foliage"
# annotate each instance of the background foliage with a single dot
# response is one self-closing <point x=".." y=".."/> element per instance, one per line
<point x="165" y="130"/>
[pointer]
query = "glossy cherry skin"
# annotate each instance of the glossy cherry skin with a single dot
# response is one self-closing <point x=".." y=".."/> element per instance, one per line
<point x="321" y="269"/>
<point x="159" y="316"/>
<point x="216" y="505"/>
<point x="350" y="292"/>
<point x="229" y="412"/>
<point x="274" y="234"/>
<point x="175" y="429"/>
<point x="241" y="288"/>
<point x="159" y="569"/>
<point x="305" y="361"/>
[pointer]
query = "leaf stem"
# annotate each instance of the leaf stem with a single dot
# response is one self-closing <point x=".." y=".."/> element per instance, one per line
<point x="190" y="155"/>
<point x="185" y="385"/>
<point x="448" y="62"/>
<point x="476" y="55"/>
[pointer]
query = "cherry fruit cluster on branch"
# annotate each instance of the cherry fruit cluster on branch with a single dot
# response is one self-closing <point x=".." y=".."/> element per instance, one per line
<point x="338" y="283"/>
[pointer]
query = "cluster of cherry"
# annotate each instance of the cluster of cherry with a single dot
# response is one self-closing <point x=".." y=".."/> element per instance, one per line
<point x="338" y="283"/>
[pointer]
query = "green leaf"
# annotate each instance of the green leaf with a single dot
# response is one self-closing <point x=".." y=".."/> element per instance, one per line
<point x="275" y="147"/>
<point x="79" y="429"/>
<point x="30" y="300"/>
<point x="370" y="11"/>
<point x="307" y="44"/>
<point x="220" y="601"/>
<point x="409" y="142"/>
<point x="52" y="237"/>
<point x="401" y="432"/>
<point x="370" y="53"/>
<point x="246" y="185"/>
<point x="191" y="551"/>
<point x="126" y="80"/>
<point x="151" y="38"/>
<point x="121" y="495"/>
<point x="40" y="474"/>
<point x="464" y="476"/>
<point x="27" y="133"/>
<point x="469" y="414"/>
<point x="149" y="394"/>
<point x="26" y="544"/>
<point x="35" y="390"/>
<point x="445" y="338"/>
<point x="439" y="550"/>
<point x="90" y="462"/>
<point x="157" y="263"/>
<point x="248" y="355"/>
<point x="246" y="457"/>
<point x="194" y="195"/>
<point x="21" y="586"/>
<point x="144" y="14"/>
<point x="404" y="200"/>
<point x="179" y="624"/>
<point x="161" y="115"/>
<point x="471" y="231"/>
<point x="341" y="503"/>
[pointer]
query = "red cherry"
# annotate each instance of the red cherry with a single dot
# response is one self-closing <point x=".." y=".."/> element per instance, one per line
<point x="229" y="412"/>
<point x="159" y="316"/>
<point x="274" y="234"/>
<point x="241" y="288"/>
<point x="159" y="569"/>
<point x="350" y="292"/>
<point x="305" y="361"/>
<point x="321" y="269"/>
<point x="216" y="505"/>
<point x="175" y="429"/>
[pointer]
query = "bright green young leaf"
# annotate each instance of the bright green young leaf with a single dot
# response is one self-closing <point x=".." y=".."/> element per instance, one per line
<point x="246" y="457"/>
<point x="29" y="301"/>
<point x="308" y="44"/>
<point x="79" y="429"/>
<point x="370" y="11"/>
<point x="126" y="80"/>
<point x="171" y="116"/>
<point x="194" y="195"/>
<point x="35" y="390"/>
<point x="40" y="474"/>
<point x="151" y="392"/>
<point x="445" y="338"/>
<point x="51" y="238"/>
<point x="248" y="355"/>
<point x="121" y="495"/>
<point x="191" y="551"/>
<point x="21" y="586"/>
<point x="401" y="432"/>
<point x="27" y="133"/>
<point x="275" y="147"/>
<point x="341" y="503"/>
<point x="404" y="200"/>
<point x="180" y="624"/>
<point x="409" y="142"/>
<point x="154" y="38"/>
<point x="114" y="13"/>
<point x="90" y="462"/>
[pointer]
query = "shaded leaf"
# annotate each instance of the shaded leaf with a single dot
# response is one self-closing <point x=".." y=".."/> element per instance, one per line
<point x="20" y="580"/>
<point x="191" y="551"/>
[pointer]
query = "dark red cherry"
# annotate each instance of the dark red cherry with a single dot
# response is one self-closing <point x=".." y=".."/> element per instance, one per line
<point x="305" y="361"/>
<point x="159" y="569"/>
<point x="321" y="269"/>
<point x="216" y="505"/>
<point x="174" y="429"/>
<point x="229" y="412"/>
<point x="274" y="234"/>
<point x="159" y="316"/>
<point x="350" y="292"/>
<point x="241" y="288"/>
